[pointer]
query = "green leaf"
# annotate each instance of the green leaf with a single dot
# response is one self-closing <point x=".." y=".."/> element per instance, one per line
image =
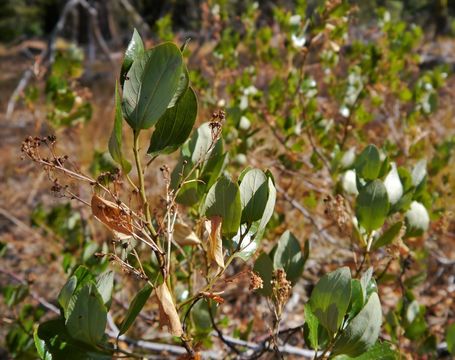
<point x="368" y="163"/>
<point x="380" y="351"/>
<point x="311" y="327"/>
<point x="357" y="298"/>
<point x="40" y="345"/>
<point x="223" y="199"/>
<point x="134" y="51"/>
<point x="268" y="210"/>
<point x="115" y="141"/>
<point x="365" y="282"/>
<point x="182" y="87"/>
<point x="363" y="331"/>
<point x="264" y="267"/>
<point x="87" y="315"/>
<point x="52" y="341"/>
<point x="66" y="293"/>
<point x="105" y="285"/>
<point x="174" y="127"/>
<point x="253" y="195"/>
<point x="450" y="338"/>
<point x="289" y="257"/>
<point x="331" y="297"/>
<point x="389" y="235"/>
<point x="153" y="81"/>
<point x="135" y="308"/>
<point x="83" y="275"/>
<point x="372" y="205"/>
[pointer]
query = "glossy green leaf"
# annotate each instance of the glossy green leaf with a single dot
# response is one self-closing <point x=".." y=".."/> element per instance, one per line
<point x="214" y="165"/>
<point x="264" y="267"/>
<point x="174" y="127"/>
<point x="87" y="315"/>
<point x="135" y="308"/>
<point x="389" y="235"/>
<point x="253" y="195"/>
<point x="357" y="298"/>
<point x="223" y="199"/>
<point x="368" y="163"/>
<point x="365" y="282"/>
<point x="331" y="297"/>
<point x="289" y="257"/>
<point x="362" y="331"/>
<point x="134" y="51"/>
<point x="372" y="205"/>
<point x="105" y="285"/>
<point x="115" y="141"/>
<point x="182" y="87"/>
<point x="151" y="84"/>
<point x="66" y="293"/>
<point x="268" y="210"/>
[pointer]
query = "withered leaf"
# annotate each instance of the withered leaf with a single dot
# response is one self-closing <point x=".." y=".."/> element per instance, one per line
<point x="168" y="313"/>
<point x="184" y="235"/>
<point x="215" y="244"/>
<point x="112" y="215"/>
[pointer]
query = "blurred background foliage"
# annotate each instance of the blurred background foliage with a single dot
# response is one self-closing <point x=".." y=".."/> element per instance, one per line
<point x="21" y="19"/>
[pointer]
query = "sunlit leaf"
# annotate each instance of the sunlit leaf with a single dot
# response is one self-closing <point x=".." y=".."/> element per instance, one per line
<point x="151" y="84"/>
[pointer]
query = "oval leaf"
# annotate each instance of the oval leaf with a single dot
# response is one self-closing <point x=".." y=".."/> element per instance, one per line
<point x="223" y="199"/>
<point x="389" y="235"/>
<point x="363" y="331"/>
<point x="264" y="267"/>
<point x="368" y="163"/>
<point x="135" y="308"/>
<point x="174" y="127"/>
<point x="87" y="316"/>
<point x="151" y="84"/>
<point x="105" y="284"/>
<point x="330" y="298"/>
<point x="289" y="257"/>
<point x="372" y="205"/>
<point x="253" y="195"/>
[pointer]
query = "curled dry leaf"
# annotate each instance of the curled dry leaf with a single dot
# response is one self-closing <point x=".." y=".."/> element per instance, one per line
<point x="215" y="243"/>
<point x="112" y="215"/>
<point x="168" y="313"/>
<point x="184" y="235"/>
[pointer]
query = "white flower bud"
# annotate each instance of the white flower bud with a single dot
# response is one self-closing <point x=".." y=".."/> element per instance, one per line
<point x="393" y="185"/>
<point x="245" y="123"/>
<point x="348" y="182"/>
<point x="417" y="217"/>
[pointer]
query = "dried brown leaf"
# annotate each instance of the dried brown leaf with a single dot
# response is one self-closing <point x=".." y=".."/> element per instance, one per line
<point x="112" y="215"/>
<point x="215" y="243"/>
<point x="168" y="313"/>
<point x="184" y="235"/>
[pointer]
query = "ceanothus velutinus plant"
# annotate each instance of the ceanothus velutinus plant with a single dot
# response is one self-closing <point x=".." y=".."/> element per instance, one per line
<point x="207" y="220"/>
<point x="226" y="218"/>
